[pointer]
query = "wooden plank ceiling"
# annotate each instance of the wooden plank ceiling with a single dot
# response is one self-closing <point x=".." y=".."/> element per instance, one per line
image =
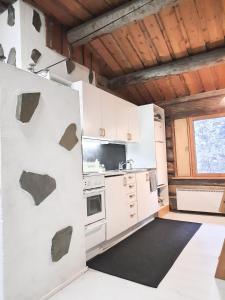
<point x="188" y="28"/>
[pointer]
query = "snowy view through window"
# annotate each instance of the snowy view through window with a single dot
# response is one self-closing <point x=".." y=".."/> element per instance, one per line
<point x="210" y="145"/>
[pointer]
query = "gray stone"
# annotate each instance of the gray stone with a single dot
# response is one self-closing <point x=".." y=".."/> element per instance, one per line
<point x="12" y="57"/>
<point x="35" y="55"/>
<point x="61" y="243"/>
<point x="2" y="56"/>
<point x="38" y="185"/>
<point x="70" y="66"/>
<point x="91" y="76"/>
<point x="11" y="16"/>
<point x="36" y="20"/>
<point x="26" y="106"/>
<point x="69" y="138"/>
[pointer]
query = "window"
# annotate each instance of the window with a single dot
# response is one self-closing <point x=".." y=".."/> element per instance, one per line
<point x="207" y="136"/>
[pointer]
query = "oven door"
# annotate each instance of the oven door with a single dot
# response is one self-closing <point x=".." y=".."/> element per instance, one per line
<point x="95" y="205"/>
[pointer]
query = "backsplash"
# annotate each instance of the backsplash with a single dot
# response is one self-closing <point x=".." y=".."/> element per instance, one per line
<point x="107" y="153"/>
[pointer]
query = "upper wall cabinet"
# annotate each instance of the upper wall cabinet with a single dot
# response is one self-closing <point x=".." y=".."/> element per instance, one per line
<point x="105" y="116"/>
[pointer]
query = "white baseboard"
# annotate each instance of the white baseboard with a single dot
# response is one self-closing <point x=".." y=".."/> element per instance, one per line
<point x="63" y="285"/>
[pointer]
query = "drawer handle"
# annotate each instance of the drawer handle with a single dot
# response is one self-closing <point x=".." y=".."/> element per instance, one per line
<point x="131" y="186"/>
<point x="130" y="177"/>
<point x="129" y="136"/>
<point x="132" y="215"/>
<point x="131" y="205"/>
<point x="132" y="196"/>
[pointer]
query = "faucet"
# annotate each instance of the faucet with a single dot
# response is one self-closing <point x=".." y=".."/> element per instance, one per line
<point x="129" y="161"/>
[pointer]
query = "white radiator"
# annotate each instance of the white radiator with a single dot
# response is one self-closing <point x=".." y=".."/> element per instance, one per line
<point x="199" y="200"/>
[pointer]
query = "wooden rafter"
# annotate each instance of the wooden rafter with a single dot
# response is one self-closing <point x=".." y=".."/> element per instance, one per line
<point x="111" y="20"/>
<point x="217" y="94"/>
<point x="182" y="65"/>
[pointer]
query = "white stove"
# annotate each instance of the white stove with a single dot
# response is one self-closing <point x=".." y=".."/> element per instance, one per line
<point x="94" y="197"/>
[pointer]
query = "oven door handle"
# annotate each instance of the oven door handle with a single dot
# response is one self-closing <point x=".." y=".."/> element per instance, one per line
<point x="94" y="191"/>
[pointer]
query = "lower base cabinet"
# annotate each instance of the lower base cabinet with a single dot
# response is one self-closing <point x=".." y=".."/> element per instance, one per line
<point x="147" y="200"/>
<point x="121" y="210"/>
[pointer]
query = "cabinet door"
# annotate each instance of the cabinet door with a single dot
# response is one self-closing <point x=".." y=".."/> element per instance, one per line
<point x="108" y="111"/>
<point x="147" y="200"/>
<point x="133" y="123"/>
<point x="159" y="131"/>
<point x="91" y="111"/>
<point x="122" y="108"/>
<point x="161" y="163"/>
<point x="116" y="206"/>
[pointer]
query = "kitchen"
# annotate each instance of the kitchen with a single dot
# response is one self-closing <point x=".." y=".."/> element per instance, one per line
<point x="112" y="149"/>
<point x="121" y="193"/>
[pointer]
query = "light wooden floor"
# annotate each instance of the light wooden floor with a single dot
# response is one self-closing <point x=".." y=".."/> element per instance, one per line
<point x="190" y="278"/>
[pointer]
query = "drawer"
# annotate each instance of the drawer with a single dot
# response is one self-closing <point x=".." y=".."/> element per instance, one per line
<point x="131" y="188"/>
<point x="94" y="234"/>
<point x="130" y="178"/>
<point x="131" y="197"/>
<point x="132" y="214"/>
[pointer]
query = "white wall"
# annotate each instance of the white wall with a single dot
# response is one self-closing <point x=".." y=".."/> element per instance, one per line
<point x="29" y="272"/>
<point x="10" y="36"/>
<point x="24" y="36"/>
<point x="1" y="221"/>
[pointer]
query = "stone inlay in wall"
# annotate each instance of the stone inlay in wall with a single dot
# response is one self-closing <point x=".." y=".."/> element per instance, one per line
<point x="70" y="66"/>
<point x="69" y="138"/>
<point x="38" y="185"/>
<point x="36" y="20"/>
<point x="12" y="57"/>
<point x="35" y="55"/>
<point x="61" y="243"/>
<point x="2" y="56"/>
<point x="26" y="106"/>
<point x="11" y="16"/>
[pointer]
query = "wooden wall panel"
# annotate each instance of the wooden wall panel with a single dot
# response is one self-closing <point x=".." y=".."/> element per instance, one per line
<point x="182" y="147"/>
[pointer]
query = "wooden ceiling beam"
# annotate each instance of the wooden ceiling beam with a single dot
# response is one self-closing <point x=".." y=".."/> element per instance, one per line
<point x="115" y="18"/>
<point x="179" y="66"/>
<point x="215" y="94"/>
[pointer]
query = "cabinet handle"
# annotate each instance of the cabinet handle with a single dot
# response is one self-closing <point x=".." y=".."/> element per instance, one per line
<point x="130" y="177"/>
<point x="131" y="196"/>
<point x="132" y="215"/>
<point x="101" y="132"/>
<point x="131" y="186"/>
<point x="129" y="136"/>
<point x="131" y="205"/>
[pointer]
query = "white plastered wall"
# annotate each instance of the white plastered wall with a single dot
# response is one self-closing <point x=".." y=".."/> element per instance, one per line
<point x="25" y="38"/>
<point x="10" y="36"/>
<point x="29" y="272"/>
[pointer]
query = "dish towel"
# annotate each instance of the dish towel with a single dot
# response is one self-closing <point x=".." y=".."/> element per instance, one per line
<point x="153" y="180"/>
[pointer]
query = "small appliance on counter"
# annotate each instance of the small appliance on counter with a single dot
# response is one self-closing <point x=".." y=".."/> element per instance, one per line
<point x="94" y="197"/>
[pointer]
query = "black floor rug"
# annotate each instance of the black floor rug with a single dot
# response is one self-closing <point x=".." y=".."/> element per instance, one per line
<point x="147" y="255"/>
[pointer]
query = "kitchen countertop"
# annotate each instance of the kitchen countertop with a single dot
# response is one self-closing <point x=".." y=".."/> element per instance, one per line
<point x="119" y="172"/>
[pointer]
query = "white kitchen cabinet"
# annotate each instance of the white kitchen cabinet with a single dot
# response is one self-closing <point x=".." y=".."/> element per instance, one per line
<point x="105" y="116"/>
<point x="133" y="123"/>
<point x="159" y="131"/>
<point x="121" y="120"/>
<point x="91" y="116"/>
<point x="108" y="113"/>
<point x="147" y="201"/>
<point x="161" y="163"/>
<point x="116" y="206"/>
